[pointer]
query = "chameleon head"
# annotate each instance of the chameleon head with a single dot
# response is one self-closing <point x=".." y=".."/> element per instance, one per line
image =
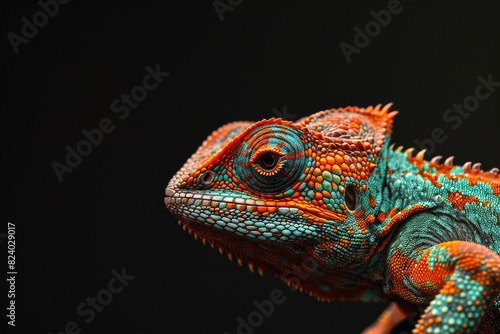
<point x="276" y="193"/>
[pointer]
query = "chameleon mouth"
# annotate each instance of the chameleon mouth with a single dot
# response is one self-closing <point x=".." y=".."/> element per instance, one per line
<point x="270" y="221"/>
<point x="313" y="215"/>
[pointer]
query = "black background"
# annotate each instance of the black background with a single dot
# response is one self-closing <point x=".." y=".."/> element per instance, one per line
<point x="109" y="212"/>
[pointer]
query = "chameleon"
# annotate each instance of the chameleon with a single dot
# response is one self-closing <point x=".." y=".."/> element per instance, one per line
<point x="372" y="222"/>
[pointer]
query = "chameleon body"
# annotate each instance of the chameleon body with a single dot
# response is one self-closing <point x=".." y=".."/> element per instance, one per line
<point x="370" y="222"/>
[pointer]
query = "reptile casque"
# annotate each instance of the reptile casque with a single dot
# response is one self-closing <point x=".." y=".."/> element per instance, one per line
<point x="375" y="223"/>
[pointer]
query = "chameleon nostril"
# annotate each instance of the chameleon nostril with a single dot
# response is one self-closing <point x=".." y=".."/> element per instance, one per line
<point x="206" y="178"/>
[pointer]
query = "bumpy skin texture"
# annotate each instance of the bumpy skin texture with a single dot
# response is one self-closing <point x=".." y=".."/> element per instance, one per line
<point x="367" y="221"/>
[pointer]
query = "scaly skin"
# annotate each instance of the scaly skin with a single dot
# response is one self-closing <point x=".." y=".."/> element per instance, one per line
<point x="372" y="222"/>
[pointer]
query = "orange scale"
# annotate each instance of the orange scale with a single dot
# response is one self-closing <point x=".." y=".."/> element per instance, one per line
<point x="272" y="209"/>
<point x="336" y="169"/>
<point x="261" y="209"/>
<point x="330" y="160"/>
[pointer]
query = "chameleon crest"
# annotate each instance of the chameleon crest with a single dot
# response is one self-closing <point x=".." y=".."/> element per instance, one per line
<point x="367" y="221"/>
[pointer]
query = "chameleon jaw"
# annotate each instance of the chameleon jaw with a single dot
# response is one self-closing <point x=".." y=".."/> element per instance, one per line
<point x="281" y="259"/>
<point x="251" y="218"/>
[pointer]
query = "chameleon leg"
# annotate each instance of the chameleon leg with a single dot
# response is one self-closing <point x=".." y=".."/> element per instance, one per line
<point x="464" y="277"/>
<point x="392" y="315"/>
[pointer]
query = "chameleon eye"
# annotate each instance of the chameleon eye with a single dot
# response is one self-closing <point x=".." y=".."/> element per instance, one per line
<point x="351" y="197"/>
<point x="270" y="159"/>
<point x="267" y="163"/>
